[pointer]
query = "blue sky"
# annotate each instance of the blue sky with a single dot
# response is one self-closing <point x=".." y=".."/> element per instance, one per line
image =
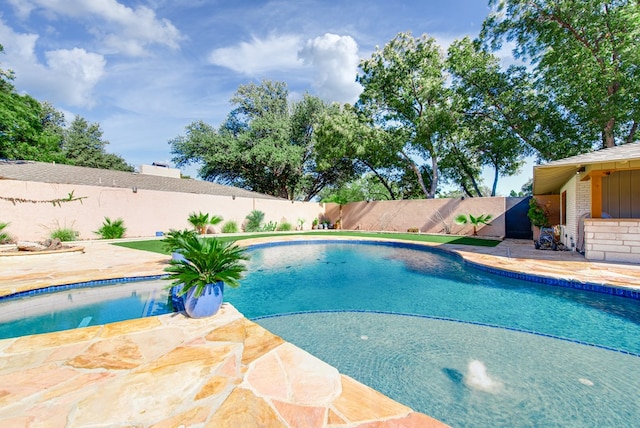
<point x="144" y="70"/>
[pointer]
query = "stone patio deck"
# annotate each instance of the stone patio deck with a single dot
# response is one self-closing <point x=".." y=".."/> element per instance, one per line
<point x="170" y="370"/>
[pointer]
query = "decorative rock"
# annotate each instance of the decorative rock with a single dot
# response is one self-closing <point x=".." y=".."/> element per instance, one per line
<point x="30" y="246"/>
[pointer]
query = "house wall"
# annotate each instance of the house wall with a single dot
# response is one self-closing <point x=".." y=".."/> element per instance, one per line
<point x="621" y="194"/>
<point x="612" y="240"/>
<point x="578" y="204"/>
<point x="552" y="204"/>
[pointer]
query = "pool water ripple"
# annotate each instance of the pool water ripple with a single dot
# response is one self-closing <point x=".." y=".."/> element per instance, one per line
<point x="425" y="363"/>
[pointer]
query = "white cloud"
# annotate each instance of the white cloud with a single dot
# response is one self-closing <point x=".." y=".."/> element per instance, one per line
<point x="22" y="7"/>
<point x="259" y="56"/>
<point x="122" y="29"/>
<point x="75" y="72"/>
<point x="68" y="76"/>
<point x="335" y="63"/>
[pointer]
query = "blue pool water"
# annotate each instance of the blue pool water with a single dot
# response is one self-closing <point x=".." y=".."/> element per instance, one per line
<point x="430" y="365"/>
<point x="464" y="346"/>
<point x="311" y="277"/>
<point x="81" y="307"/>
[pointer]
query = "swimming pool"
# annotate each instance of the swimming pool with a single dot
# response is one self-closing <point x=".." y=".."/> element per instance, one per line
<point x="466" y="347"/>
<point x="73" y="307"/>
<point x="449" y="340"/>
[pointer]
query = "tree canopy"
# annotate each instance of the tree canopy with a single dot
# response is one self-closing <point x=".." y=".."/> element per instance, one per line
<point x="584" y="55"/>
<point x="83" y="146"/>
<point x="406" y="97"/>
<point x="265" y="144"/>
<point x="33" y="130"/>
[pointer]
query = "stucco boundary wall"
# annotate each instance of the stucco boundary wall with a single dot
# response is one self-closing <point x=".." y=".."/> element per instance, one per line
<point x="427" y="215"/>
<point x="146" y="212"/>
<point x="612" y="240"/>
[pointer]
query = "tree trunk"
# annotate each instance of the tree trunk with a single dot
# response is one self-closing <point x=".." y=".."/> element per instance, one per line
<point x="495" y="182"/>
<point x="416" y="170"/>
<point x="607" y="134"/>
<point x="632" y="132"/>
<point x="382" y="180"/>
<point x="434" y="177"/>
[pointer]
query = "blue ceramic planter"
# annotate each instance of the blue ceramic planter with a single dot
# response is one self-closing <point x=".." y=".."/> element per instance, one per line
<point x="207" y="304"/>
<point x="178" y="257"/>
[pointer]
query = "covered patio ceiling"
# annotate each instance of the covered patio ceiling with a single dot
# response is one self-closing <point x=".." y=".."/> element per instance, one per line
<point x="549" y="179"/>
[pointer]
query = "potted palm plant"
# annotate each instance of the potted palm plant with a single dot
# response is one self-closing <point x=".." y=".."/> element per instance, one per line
<point x="173" y="241"/>
<point x="539" y="216"/>
<point x="199" y="278"/>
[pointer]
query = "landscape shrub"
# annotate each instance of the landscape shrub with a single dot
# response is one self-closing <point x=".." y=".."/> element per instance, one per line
<point x="254" y="221"/>
<point x="5" y="238"/>
<point x="230" y="226"/>
<point x="284" y="226"/>
<point x="112" y="229"/>
<point x="64" y="234"/>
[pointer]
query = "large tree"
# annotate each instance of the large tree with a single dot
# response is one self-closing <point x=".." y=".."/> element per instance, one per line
<point x="24" y="130"/>
<point x="494" y="117"/>
<point x="83" y="146"/>
<point x="33" y="130"/>
<point x="344" y="135"/>
<point x="405" y="94"/>
<point x="24" y="133"/>
<point x="584" y="54"/>
<point x="264" y="145"/>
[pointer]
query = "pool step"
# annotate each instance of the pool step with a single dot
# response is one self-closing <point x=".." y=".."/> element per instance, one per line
<point x="85" y="322"/>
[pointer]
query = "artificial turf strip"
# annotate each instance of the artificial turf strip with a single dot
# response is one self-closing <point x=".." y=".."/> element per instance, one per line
<point x="156" y="245"/>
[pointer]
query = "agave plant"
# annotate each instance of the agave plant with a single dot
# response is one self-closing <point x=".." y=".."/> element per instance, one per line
<point x="475" y="221"/>
<point x="206" y="261"/>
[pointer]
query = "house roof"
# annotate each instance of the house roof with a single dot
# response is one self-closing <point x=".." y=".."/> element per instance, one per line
<point x="68" y="174"/>
<point x="549" y="178"/>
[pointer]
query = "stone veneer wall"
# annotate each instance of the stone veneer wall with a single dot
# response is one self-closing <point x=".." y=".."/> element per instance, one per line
<point x="613" y="240"/>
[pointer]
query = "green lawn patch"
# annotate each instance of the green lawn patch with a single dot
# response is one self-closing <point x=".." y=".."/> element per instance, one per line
<point x="157" y="246"/>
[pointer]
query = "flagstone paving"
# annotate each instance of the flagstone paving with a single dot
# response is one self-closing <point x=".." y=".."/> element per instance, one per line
<point x="224" y="371"/>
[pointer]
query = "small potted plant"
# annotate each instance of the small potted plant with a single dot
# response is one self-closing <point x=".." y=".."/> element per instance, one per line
<point x="314" y="224"/>
<point x="539" y="216"/>
<point x="207" y="265"/>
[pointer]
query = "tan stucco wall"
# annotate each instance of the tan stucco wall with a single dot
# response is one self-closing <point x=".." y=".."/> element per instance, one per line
<point x="144" y="212"/>
<point x="429" y="215"/>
